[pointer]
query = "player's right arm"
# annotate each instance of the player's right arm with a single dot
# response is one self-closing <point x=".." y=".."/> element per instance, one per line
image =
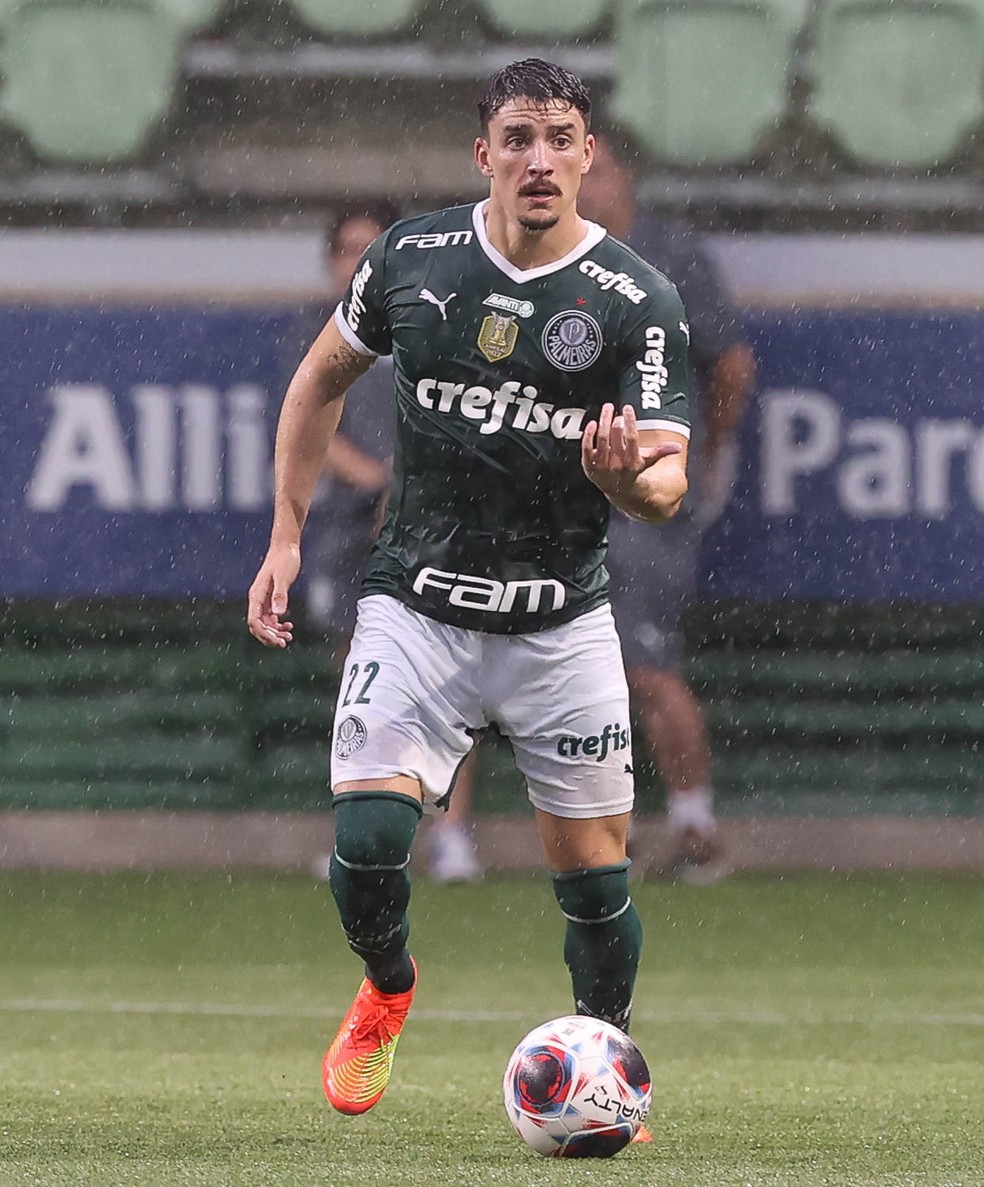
<point x="308" y="419"/>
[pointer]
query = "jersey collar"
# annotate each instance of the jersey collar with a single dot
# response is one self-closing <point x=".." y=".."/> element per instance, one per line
<point x="594" y="236"/>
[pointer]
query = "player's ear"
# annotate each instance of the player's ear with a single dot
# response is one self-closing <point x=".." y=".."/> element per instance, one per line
<point x="482" y="157"/>
<point x="589" y="148"/>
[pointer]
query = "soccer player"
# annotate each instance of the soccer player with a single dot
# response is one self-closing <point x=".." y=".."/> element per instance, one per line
<point x="541" y="377"/>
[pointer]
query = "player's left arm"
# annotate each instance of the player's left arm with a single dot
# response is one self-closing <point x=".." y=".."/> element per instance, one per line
<point x="643" y="474"/>
<point x="636" y="451"/>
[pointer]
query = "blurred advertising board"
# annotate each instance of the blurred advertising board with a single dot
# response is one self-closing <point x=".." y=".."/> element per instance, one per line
<point x="138" y="447"/>
<point x="861" y="468"/>
<point x="137" y="450"/>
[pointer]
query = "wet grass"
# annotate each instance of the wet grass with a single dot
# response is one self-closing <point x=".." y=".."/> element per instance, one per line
<point x="802" y="1031"/>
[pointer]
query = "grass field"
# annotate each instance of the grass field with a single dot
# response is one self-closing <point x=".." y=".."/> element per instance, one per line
<point x="168" y="1029"/>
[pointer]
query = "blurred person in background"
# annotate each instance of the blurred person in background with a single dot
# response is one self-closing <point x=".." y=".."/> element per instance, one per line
<point x="348" y="505"/>
<point x="347" y="513"/>
<point x="654" y="574"/>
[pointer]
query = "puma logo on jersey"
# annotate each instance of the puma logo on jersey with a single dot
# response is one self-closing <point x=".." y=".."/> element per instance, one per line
<point x="427" y="295"/>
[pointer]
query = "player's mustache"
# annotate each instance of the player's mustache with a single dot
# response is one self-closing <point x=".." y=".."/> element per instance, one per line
<point x="539" y="187"/>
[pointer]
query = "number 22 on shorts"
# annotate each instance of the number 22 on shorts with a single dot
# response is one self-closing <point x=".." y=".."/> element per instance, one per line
<point x="368" y="672"/>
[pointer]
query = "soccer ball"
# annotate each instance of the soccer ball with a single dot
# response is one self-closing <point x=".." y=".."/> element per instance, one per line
<point x="577" y="1087"/>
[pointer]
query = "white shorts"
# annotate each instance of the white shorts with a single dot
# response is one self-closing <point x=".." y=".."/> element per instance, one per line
<point x="415" y="692"/>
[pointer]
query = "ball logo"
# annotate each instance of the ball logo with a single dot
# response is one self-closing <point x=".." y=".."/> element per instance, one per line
<point x="351" y="737"/>
<point x="572" y="340"/>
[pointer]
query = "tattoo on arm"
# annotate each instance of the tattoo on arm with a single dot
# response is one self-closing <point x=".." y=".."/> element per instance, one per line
<point x="347" y="364"/>
<point x="331" y="365"/>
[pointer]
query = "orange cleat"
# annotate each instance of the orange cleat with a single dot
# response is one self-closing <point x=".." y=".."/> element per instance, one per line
<point x="357" y="1066"/>
<point x="642" y="1135"/>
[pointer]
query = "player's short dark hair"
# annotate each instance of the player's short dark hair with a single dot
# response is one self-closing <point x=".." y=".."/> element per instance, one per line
<point x="380" y="211"/>
<point x="533" y="78"/>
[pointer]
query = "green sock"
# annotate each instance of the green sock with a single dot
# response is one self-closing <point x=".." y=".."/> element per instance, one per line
<point x="603" y="941"/>
<point x="374" y="833"/>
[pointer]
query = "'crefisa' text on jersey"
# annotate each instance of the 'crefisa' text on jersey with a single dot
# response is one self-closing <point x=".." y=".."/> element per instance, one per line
<point x="491" y="523"/>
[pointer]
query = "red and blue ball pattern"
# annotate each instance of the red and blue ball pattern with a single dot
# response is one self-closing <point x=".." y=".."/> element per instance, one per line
<point x="577" y="1087"/>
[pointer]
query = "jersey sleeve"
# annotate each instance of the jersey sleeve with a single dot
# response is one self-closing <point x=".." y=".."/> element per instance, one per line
<point x="361" y="315"/>
<point x="654" y="362"/>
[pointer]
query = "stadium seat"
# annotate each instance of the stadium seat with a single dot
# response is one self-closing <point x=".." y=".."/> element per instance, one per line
<point x="7" y="10"/>
<point x="701" y="81"/>
<point x="87" y="81"/>
<point x="191" y="16"/>
<point x="898" y="82"/>
<point x="557" y="22"/>
<point x="356" y="18"/>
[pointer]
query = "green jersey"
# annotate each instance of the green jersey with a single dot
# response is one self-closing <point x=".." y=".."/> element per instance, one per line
<point x="491" y="522"/>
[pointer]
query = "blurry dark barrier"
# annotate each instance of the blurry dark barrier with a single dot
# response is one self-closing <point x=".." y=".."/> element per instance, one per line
<point x="849" y="709"/>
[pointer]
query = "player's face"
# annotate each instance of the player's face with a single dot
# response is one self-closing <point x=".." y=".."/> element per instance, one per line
<point x="535" y="155"/>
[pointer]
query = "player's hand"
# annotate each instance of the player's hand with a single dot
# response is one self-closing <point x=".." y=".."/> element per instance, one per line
<point x="268" y="596"/>
<point x="611" y="455"/>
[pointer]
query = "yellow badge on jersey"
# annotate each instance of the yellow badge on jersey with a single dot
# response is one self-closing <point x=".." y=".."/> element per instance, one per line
<point x="497" y="337"/>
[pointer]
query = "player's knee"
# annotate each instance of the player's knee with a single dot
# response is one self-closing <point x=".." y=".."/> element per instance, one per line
<point x="594" y="896"/>
<point x="375" y="830"/>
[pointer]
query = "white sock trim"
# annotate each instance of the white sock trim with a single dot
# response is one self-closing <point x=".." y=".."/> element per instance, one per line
<point x="607" y="919"/>
<point x="349" y="865"/>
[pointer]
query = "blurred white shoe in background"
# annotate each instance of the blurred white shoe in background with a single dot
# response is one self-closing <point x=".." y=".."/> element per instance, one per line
<point x="453" y="857"/>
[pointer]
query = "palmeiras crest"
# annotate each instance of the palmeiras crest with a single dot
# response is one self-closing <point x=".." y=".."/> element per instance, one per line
<point x="572" y="340"/>
<point x="497" y="336"/>
<point x="351" y="736"/>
